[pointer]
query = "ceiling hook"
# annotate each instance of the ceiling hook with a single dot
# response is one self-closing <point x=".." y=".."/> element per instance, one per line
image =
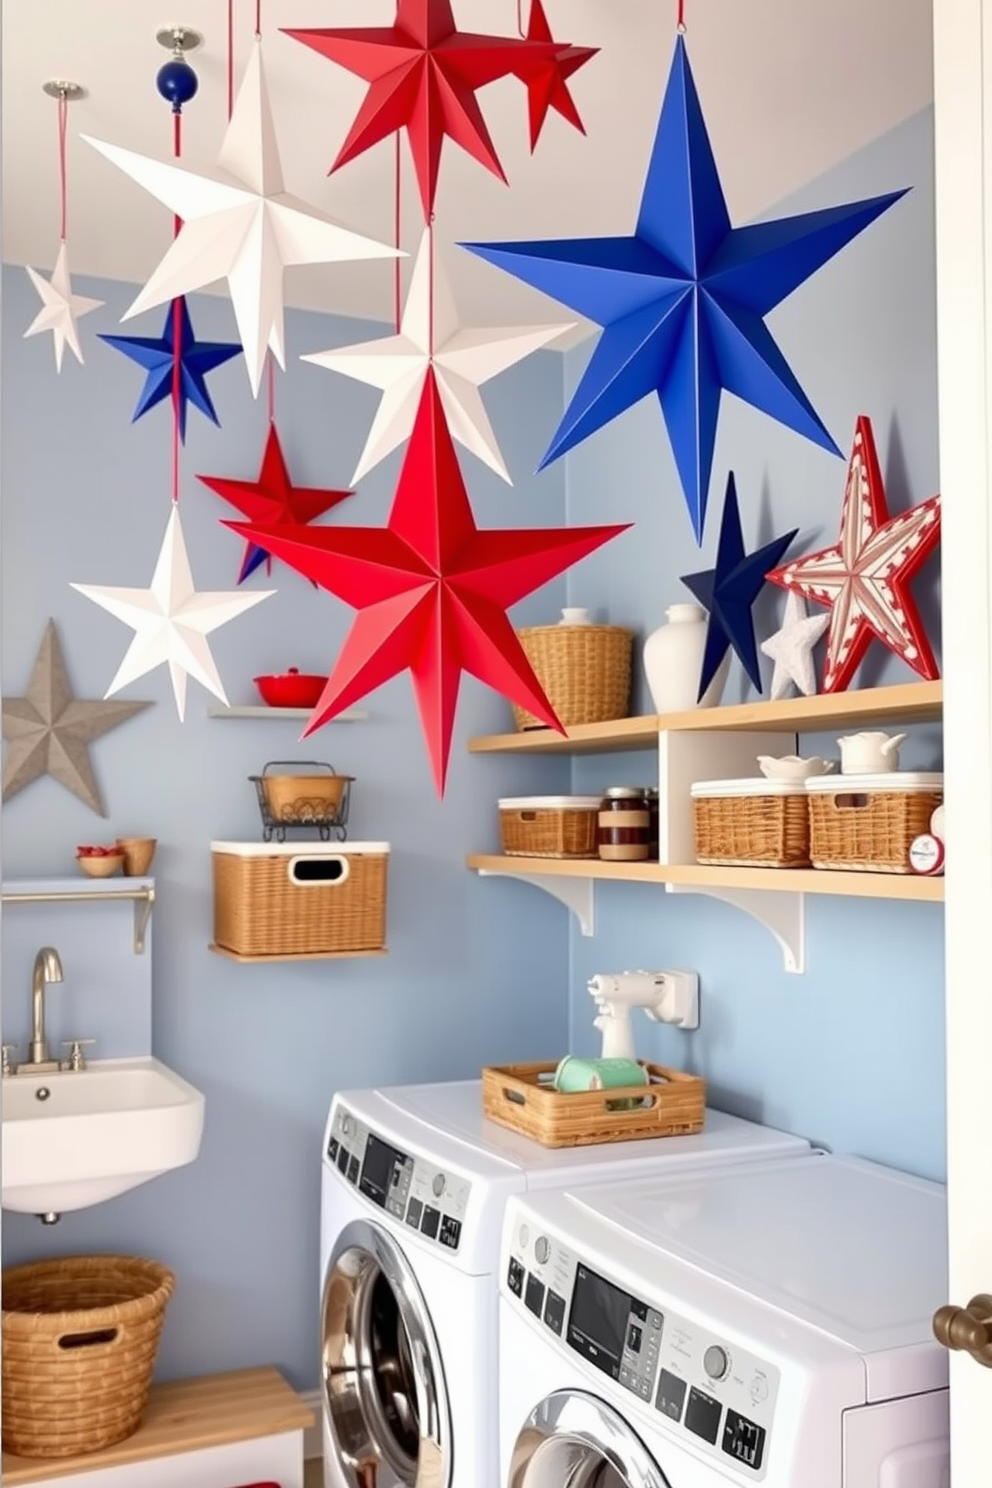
<point x="178" y="39"/>
<point x="64" y="90"/>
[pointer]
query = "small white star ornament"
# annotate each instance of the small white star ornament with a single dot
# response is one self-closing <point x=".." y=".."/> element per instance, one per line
<point x="246" y="228"/>
<point x="171" y="621"/>
<point x="60" y="308"/>
<point x="462" y="361"/>
<point x="791" y="649"/>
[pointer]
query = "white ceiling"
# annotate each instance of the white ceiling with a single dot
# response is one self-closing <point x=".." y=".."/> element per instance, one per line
<point x="787" y="89"/>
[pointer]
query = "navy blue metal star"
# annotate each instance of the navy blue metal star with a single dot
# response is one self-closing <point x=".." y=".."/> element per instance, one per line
<point x="682" y="302"/>
<point x="157" y="356"/>
<point x="729" y="590"/>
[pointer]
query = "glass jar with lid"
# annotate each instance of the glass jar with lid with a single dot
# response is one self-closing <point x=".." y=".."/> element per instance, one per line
<point x="624" y="825"/>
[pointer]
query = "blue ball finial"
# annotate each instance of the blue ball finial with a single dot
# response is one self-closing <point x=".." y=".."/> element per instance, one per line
<point x="177" y="83"/>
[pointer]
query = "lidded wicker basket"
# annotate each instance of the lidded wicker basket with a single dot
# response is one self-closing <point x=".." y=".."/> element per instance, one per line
<point x="583" y="669"/>
<point x="751" y="821"/>
<point x="80" y="1336"/>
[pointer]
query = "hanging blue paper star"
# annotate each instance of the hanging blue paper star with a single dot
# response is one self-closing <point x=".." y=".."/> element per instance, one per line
<point x="729" y="590"/>
<point x="682" y="301"/>
<point x="156" y="355"/>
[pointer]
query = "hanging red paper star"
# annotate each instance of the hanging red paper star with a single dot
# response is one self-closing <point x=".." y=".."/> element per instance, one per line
<point x="430" y="589"/>
<point x="272" y="499"/>
<point x="865" y="576"/>
<point x="423" y="75"/>
<point x="547" y="82"/>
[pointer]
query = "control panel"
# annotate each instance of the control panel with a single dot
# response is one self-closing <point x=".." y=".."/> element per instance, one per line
<point x="719" y="1393"/>
<point x="413" y="1191"/>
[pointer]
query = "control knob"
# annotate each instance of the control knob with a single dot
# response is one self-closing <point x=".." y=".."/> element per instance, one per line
<point x="716" y="1361"/>
<point x="437" y="1185"/>
<point x="346" y="1124"/>
<point x="542" y="1249"/>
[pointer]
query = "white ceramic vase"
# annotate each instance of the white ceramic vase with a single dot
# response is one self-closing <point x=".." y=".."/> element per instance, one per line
<point x="673" y="661"/>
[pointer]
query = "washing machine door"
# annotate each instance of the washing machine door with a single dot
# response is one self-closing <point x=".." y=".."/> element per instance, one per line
<point x="386" y="1405"/>
<point x="573" y="1440"/>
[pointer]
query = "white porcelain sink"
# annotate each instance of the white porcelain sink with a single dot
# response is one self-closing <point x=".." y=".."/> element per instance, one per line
<point x="97" y="1132"/>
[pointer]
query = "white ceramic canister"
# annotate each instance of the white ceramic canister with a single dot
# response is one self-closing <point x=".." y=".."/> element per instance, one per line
<point x="575" y="615"/>
<point x="673" y="661"/>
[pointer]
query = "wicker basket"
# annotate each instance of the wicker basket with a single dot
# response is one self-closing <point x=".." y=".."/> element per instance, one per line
<point x="867" y="822"/>
<point x="762" y="823"/>
<point x="520" y="1096"/>
<point x="80" y="1335"/>
<point x="583" y="669"/>
<point x="303" y="900"/>
<point x="549" y="826"/>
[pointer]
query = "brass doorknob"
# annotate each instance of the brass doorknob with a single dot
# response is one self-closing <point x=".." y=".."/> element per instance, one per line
<point x="968" y="1328"/>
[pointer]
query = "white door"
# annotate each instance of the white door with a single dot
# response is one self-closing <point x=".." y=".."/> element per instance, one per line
<point x="963" y="124"/>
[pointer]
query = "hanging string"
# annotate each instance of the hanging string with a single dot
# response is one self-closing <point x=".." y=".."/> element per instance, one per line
<point x="271" y="372"/>
<point x="63" y="192"/>
<point x="430" y="287"/>
<point x="397" y="204"/>
<point x="520" y="18"/>
<point x="680" y="23"/>
<point x="177" y="325"/>
<point x="230" y="58"/>
<point x="258" y="17"/>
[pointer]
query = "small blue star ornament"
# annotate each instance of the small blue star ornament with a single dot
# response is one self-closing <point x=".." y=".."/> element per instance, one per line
<point x="682" y="302"/>
<point x="730" y="589"/>
<point x="157" y="355"/>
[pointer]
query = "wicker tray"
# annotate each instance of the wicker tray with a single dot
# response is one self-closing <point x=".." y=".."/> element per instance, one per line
<point x="867" y="823"/>
<point x="751" y="823"/>
<point x="520" y="1096"/>
<point x="549" y="826"/>
<point x="80" y="1335"/>
<point x="583" y="669"/>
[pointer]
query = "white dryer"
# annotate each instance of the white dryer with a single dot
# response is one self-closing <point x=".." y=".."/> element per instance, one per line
<point x="414" y="1189"/>
<point x="767" y="1324"/>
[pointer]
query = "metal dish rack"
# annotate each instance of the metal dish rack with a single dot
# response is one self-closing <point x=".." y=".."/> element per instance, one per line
<point x="314" y="812"/>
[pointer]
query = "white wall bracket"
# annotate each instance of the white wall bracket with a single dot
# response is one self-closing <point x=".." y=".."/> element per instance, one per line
<point x="782" y="913"/>
<point x="577" y="894"/>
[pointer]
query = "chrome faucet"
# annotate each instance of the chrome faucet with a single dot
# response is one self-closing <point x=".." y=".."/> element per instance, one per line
<point x="47" y="968"/>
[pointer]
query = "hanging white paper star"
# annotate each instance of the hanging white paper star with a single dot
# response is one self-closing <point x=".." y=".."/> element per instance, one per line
<point x="791" y="649"/>
<point x="245" y="229"/>
<point x="462" y="360"/>
<point x="171" y="621"/>
<point x="60" y="308"/>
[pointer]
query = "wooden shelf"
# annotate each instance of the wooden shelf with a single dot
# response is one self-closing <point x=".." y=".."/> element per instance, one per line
<point x="262" y="710"/>
<point x="907" y="702"/>
<point x="704" y="876"/>
<point x="296" y="956"/>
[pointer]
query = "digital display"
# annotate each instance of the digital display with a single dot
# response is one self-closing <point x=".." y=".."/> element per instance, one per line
<point x="381" y="1162"/>
<point x="597" y="1323"/>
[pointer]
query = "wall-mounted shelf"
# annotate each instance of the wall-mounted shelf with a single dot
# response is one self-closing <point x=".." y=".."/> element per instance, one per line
<point x="69" y="891"/>
<point x="262" y="710"/>
<point x="297" y="956"/>
<point x="719" y="744"/>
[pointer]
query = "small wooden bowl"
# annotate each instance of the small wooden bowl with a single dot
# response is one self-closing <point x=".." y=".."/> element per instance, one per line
<point x="104" y="866"/>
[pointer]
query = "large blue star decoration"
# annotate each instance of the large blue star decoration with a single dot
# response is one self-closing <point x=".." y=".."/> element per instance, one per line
<point x="157" y="355"/>
<point x="730" y="589"/>
<point x="682" y="301"/>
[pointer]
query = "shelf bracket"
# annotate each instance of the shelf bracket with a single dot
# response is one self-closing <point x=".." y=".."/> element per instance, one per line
<point x="783" y="914"/>
<point x="142" y="915"/>
<point x="575" y="893"/>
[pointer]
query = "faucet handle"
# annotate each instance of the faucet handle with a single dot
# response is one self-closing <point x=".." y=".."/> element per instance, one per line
<point x="76" y="1059"/>
<point x="6" y="1068"/>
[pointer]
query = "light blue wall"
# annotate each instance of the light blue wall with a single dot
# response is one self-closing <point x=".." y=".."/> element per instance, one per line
<point x="850" y="1054"/>
<point x="476" y="972"/>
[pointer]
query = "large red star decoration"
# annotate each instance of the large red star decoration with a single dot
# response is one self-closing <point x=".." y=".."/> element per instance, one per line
<point x="430" y="589"/>
<point x="272" y="500"/>
<point x="865" y="577"/>
<point x="547" y="82"/>
<point x="423" y="75"/>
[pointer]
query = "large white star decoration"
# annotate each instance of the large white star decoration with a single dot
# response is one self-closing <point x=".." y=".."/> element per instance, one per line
<point x="246" y="228"/>
<point x="791" y="649"/>
<point x="171" y="621"/>
<point x="462" y="361"/>
<point x="60" y="308"/>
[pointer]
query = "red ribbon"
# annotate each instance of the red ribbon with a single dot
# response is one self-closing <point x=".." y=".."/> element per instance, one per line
<point x="177" y="325"/>
<point x="680" y="23"/>
<point x="397" y="311"/>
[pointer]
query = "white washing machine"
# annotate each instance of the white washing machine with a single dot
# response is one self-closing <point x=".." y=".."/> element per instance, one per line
<point x="767" y="1324"/>
<point x="414" y="1188"/>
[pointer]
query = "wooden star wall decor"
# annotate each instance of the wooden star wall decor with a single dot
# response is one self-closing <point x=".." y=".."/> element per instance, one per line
<point x="48" y="731"/>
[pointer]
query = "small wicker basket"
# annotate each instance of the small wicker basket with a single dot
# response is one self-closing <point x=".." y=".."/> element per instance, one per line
<point x="80" y="1336"/>
<point x="521" y="1097"/>
<point x="583" y="669"/>
<point x="549" y="826"/>
<point x="867" y="823"/>
<point x="762" y="823"/>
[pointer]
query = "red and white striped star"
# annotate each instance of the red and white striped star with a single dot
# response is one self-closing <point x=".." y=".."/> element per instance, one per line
<point x="864" y="577"/>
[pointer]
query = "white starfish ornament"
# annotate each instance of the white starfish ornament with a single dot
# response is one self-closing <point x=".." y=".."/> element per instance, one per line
<point x="791" y="649"/>
<point x="60" y="308"/>
<point x="245" y="228"/>
<point x="462" y="361"/>
<point x="171" y="621"/>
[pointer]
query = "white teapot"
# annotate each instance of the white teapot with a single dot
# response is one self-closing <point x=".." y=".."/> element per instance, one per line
<point x="869" y="753"/>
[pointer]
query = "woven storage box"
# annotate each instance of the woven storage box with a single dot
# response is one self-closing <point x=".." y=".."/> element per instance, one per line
<point x="521" y="1097"/>
<point x="80" y="1335"/>
<point x="867" y="822"/>
<point x="751" y="822"/>
<point x="583" y="669"/>
<point x="549" y="826"/>
<point x="309" y="899"/>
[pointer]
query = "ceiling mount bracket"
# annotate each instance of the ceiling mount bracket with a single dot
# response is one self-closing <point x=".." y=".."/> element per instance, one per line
<point x="62" y="88"/>
<point x="178" y="39"/>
